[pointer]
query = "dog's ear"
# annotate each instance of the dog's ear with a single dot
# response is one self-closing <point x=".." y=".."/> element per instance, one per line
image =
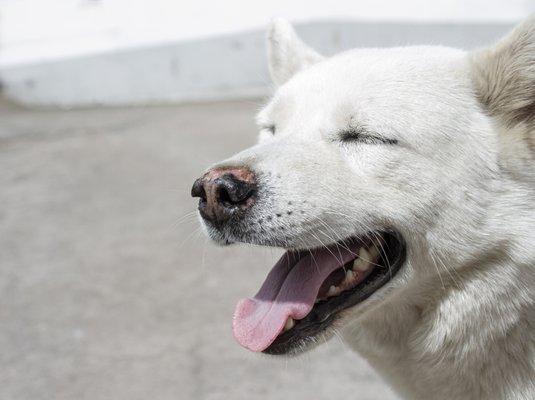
<point x="504" y="80"/>
<point x="287" y="54"/>
<point x="504" y="77"/>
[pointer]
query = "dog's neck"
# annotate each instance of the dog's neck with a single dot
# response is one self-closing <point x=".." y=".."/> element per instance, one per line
<point x="465" y="331"/>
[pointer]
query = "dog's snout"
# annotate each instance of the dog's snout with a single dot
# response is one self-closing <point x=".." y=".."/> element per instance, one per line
<point x="223" y="191"/>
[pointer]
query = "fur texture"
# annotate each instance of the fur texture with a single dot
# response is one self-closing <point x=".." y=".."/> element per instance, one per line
<point x="458" y="320"/>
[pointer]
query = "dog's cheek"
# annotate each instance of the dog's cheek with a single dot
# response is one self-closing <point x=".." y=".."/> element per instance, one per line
<point x="264" y="137"/>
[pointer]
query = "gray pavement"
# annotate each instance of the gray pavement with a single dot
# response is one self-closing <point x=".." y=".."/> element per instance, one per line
<point x="108" y="288"/>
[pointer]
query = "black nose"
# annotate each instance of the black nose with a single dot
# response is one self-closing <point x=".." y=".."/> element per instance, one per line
<point x="224" y="191"/>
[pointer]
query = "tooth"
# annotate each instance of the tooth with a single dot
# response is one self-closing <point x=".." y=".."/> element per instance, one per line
<point x="374" y="252"/>
<point x="333" y="291"/>
<point x="363" y="253"/>
<point x="350" y="275"/>
<point x="362" y="263"/>
<point x="289" y="324"/>
<point x="358" y="264"/>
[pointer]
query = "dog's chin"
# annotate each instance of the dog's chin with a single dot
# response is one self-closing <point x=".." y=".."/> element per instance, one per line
<point x="218" y="237"/>
<point x="347" y="285"/>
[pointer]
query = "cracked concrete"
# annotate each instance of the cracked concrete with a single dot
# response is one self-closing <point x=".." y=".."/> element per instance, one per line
<point x="109" y="290"/>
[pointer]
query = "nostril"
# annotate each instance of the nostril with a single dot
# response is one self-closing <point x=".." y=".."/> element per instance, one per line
<point x="224" y="196"/>
<point x="197" y="190"/>
<point x="233" y="191"/>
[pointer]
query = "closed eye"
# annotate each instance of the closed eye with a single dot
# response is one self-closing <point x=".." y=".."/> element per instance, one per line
<point x="271" y="128"/>
<point x="362" y="136"/>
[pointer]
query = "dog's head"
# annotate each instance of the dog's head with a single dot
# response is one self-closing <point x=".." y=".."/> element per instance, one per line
<point x="375" y="169"/>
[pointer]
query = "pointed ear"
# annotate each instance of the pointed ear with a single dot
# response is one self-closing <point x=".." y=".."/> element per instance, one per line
<point x="504" y="77"/>
<point x="287" y="54"/>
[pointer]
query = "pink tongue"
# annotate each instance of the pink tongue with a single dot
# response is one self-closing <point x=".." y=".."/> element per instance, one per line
<point x="289" y="290"/>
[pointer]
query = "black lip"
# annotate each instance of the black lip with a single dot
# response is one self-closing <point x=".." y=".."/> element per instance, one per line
<point x="324" y="313"/>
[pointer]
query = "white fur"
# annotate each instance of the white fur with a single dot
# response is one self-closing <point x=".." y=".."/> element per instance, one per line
<point x="458" y="320"/>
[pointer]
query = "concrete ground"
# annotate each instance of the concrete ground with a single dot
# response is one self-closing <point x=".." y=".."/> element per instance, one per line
<point x="108" y="288"/>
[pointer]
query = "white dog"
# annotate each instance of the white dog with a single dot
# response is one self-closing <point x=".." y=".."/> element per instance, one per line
<point x="401" y="182"/>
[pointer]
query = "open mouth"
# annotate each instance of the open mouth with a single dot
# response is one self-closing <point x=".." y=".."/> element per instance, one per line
<point x="306" y="290"/>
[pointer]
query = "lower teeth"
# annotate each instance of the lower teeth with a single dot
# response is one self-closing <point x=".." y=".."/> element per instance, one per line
<point x="289" y="324"/>
<point x="363" y="262"/>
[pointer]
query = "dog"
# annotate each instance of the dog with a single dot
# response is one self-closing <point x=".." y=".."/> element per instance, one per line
<point x="401" y="184"/>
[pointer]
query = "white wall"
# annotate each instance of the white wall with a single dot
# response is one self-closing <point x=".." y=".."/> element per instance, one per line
<point x="32" y="30"/>
<point x="85" y="52"/>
